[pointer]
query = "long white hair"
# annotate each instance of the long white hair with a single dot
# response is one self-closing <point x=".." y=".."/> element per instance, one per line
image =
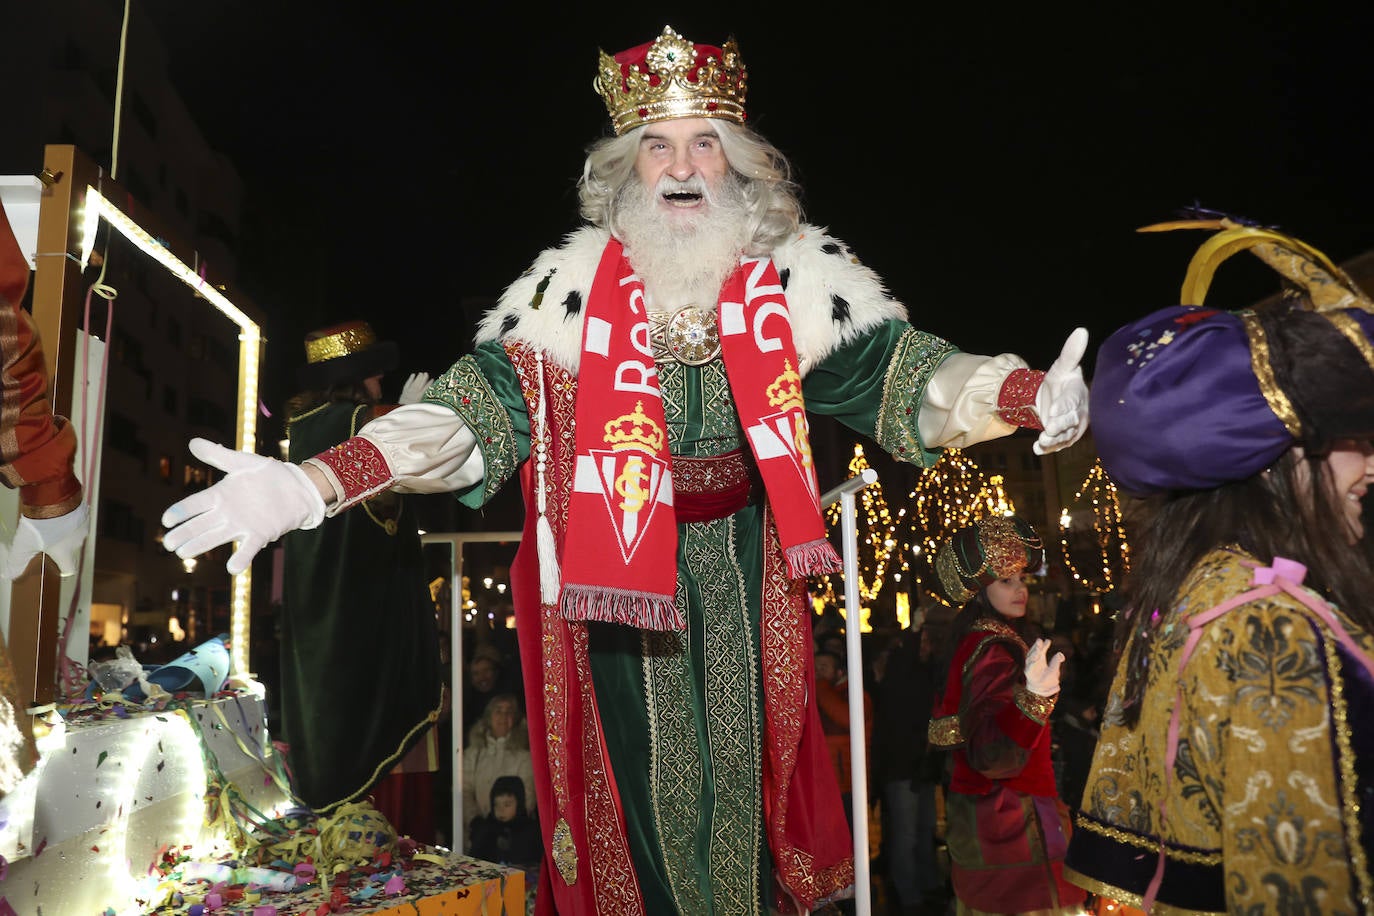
<point x="771" y="197"/>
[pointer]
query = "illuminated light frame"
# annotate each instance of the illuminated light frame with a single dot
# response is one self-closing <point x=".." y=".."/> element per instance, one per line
<point x="1097" y="481"/>
<point x="250" y="352"/>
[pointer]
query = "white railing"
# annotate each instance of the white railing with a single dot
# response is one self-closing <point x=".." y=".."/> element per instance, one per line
<point x="858" y="755"/>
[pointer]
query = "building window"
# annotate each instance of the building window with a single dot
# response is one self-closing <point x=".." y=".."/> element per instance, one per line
<point x="164" y="468"/>
<point x="119" y="521"/>
<point x="121" y="434"/>
<point x="169" y="399"/>
<point x="200" y="412"/>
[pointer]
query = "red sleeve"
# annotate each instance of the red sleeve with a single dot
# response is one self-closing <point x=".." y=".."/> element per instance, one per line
<point x="37" y="449"/>
<point x="999" y="734"/>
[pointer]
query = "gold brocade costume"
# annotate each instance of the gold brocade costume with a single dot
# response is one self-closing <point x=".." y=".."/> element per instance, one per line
<point x="1262" y="809"/>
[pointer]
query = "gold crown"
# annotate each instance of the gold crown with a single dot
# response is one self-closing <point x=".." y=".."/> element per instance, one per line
<point x="664" y="80"/>
<point x="785" y="392"/>
<point x="634" y="431"/>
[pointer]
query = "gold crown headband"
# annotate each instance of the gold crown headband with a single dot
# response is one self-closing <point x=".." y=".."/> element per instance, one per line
<point x="342" y="343"/>
<point x="1004" y="548"/>
<point x="670" y="82"/>
<point x="1328" y="288"/>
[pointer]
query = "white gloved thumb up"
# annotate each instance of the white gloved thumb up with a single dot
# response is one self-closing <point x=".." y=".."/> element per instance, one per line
<point x="414" y="388"/>
<point x="1042" y="677"/>
<point x="258" y="500"/>
<point x="1062" y="401"/>
<point x="61" y="538"/>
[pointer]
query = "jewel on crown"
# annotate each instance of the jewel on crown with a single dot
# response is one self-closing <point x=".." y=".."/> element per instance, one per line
<point x="634" y="431"/>
<point x="672" y="78"/>
<point x="785" y="392"/>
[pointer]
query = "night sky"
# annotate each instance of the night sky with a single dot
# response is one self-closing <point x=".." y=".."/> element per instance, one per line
<point x="991" y="165"/>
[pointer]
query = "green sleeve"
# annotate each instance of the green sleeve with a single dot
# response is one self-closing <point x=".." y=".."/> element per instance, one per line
<point x="875" y="383"/>
<point x="484" y="390"/>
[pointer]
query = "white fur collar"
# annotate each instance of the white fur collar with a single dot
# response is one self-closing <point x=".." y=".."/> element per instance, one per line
<point x="831" y="297"/>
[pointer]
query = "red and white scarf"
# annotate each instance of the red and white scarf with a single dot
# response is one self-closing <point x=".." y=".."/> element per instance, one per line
<point x="619" y="560"/>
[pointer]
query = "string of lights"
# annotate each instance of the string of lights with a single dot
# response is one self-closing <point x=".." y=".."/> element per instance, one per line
<point x="947" y="496"/>
<point x="1098" y="493"/>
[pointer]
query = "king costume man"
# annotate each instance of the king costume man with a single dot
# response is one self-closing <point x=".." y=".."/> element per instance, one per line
<point x="648" y="381"/>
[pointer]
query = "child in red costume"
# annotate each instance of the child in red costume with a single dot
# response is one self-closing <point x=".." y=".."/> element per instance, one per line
<point x="1007" y="829"/>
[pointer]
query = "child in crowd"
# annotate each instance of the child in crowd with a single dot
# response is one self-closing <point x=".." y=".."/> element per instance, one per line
<point x="508" y="835"/>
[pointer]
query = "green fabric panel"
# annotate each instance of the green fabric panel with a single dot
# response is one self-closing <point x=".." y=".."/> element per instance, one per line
<point x="686" y="755"/>
<point x="875" y="383"/>
<point x="699" y="409"/>
<point x="686" y="738"/>
<point x="484" y="390"/>
<point x="356" y="611"/>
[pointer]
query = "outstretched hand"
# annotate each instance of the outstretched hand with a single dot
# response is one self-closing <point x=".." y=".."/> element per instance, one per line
<point x="414" y="388"/>
<point x="1062" y="401"/>
<point x="1042" y="677"/>
<point x="258" y="500"/>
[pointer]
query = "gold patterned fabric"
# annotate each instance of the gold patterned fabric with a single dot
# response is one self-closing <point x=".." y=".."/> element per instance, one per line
<point x="1262" y="806"/>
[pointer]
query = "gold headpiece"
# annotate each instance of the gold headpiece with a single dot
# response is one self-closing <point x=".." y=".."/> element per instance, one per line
<point x="1330" y="290"/>
<point x="348" y="340"/>
<point x="980" y="553"/>
<point x="671" y="78"/>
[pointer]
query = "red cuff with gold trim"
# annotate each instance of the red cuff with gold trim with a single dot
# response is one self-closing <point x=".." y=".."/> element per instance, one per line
<point x="1016" y="399"/>
<point x="359" y="466"/>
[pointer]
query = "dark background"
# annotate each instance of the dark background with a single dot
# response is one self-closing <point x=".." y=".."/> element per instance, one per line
<point x="991" y="162"/>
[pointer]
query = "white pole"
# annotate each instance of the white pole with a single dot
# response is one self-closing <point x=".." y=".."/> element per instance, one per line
<point x="455" y="542"/>
<point x="863" y="899"/>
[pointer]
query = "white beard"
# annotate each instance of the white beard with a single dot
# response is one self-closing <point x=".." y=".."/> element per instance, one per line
<point x="683" y="257"/>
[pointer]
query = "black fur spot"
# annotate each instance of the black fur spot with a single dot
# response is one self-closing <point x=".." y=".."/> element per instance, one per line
<point x="839" y="308"/>
<point x="784" y="276"/>
<point x="832" y="248"/>
<point x="508" y="323"/>
<point x="572" y="303"/>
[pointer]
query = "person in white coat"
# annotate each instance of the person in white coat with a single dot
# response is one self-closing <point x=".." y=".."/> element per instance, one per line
<point x="497" y="746"/>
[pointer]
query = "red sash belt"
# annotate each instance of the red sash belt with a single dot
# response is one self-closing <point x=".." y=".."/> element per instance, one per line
<point x="705" y="489"/>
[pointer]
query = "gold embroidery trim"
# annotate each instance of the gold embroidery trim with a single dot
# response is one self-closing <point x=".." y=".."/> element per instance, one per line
<point x="1140" y="842"/>
<point x="944" y="732"/>
<point x="1264" y="374"/>
<point x="1033" y="704"/>
<point x="693" y="476"/>
<point x="1350" y="805"/>
<point x="1350" y="328"/>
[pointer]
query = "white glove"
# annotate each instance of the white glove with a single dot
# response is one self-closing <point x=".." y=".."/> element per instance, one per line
<point x="414" y="388"/>
<point x="258" y="501"/>
<point x="1042" y="677"/>
<point x="60" y="538"/>
<point x="1062" y="401"/>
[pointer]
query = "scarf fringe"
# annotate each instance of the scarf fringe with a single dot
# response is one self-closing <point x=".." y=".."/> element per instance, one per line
<point x="645" y="610"/>
<point x="814" y="558"/>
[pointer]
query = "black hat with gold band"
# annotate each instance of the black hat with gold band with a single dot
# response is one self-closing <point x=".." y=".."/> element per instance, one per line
<point x="979" y="554"/>
<point x="345" y="353"/>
